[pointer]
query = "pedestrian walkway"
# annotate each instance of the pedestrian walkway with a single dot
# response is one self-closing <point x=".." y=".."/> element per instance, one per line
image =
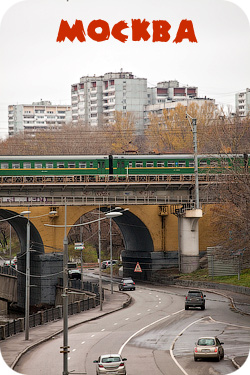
<point x="13" y="347"/>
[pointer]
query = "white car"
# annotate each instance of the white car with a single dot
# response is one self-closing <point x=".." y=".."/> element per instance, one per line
<point x="110" y="364"/>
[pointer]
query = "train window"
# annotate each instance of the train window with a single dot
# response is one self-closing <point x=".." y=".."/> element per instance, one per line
<point x="4" y="166"/>
<point x="49" y="165"/>
<point x="15" y="165"/>
<point x="160" y="164"/>
<point x="130" y="164"/>
<point x="181" y="164"/>
<point x="139" y="164"/>
<point x="171" y="164"/>
<point x="149" y="164"/>
<point x="224" y="163"/>
<point x="82" y="164"/>
<point x="60" y="165"/>
<point x="203" y="163"/>
<point x="38" y="165"/>
<point x="191" y="164"/>
<point x="214" y="163"/>
<point x="27" y="165"/>
<point x="71" y="165"/>
<point x="91" y="164"/>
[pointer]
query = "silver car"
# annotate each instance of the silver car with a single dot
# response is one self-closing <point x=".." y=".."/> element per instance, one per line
<point x="209" y="347"/>
<point x="110" y="364"/>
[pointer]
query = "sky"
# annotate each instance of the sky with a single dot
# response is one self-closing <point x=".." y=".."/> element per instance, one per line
<point x="33" y="66"/>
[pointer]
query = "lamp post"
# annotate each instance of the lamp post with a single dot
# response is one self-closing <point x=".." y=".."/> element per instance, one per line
<point x="193" y="125"/>
<point x="65" y="276"/>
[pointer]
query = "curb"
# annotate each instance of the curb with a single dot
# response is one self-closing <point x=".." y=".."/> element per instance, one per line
<point x="47" y="338"/>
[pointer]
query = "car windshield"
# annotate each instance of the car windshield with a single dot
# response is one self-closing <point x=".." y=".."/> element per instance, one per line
<point x="206" y="342"/>
<point x="111" y="359"/>
<point x="194" y="294"/>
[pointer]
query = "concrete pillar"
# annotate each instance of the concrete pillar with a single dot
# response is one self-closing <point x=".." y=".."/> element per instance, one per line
<point x="188" y="236"/>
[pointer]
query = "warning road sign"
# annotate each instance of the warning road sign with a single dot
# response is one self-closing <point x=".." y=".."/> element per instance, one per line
<point x="137" y="268"/>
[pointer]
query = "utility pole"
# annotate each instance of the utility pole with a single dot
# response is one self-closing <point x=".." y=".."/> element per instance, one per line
<point x="193" y="125"/>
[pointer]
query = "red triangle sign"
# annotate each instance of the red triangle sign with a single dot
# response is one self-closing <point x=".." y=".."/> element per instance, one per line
<point x="137" y="267"/>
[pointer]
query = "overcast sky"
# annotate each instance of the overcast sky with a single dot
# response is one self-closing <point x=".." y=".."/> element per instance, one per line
<point x="34" y="66"/>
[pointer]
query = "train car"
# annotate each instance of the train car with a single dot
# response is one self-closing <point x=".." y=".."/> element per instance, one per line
<point x="54" y="165"/>
<point x="153" y="164"/>
<point x="175" y="163"/>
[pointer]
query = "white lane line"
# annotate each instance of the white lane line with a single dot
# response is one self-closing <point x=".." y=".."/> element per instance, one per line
<point x="92" y="335"/>
<point x="142" y="329"/>
<point x="73" y="350"/>
<point x="83" y="342"/>
<point x="115" y="324"/>
<point x="173" y="343"/>
<point x="103" y="330"/>
<point x="139" y="314"/>
<point x="127" y="319"/>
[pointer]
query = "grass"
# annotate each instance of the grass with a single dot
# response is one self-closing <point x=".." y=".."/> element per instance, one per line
<point x="202" y="275"/>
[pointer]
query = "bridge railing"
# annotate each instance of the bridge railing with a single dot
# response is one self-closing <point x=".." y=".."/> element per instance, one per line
<point x="112" y="179"/>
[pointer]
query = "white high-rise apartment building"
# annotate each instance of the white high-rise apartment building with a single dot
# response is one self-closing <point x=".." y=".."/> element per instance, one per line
<point x="42" y="115"/>
<point x="95" y="99"/>
<point x="242" y="103"/>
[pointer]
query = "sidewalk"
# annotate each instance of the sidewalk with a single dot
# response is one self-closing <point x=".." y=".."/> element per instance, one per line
<point x="13" y="347"/>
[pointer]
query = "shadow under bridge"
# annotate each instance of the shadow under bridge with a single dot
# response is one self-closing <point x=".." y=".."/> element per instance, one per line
<point x="44" y="268"/>
<point x="138" y="246"/>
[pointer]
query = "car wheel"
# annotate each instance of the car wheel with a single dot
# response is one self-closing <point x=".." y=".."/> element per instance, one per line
<point x="186" y="307"/>
<point x="218" y="358"/>
<point x="202" y="307"/>
<point x="195" y="359"/>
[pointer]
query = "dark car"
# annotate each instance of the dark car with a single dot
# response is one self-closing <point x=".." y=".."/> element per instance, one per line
<point x="126" y="284"/>
<point x="208" y="347"/>
<point x="195" y="298"/>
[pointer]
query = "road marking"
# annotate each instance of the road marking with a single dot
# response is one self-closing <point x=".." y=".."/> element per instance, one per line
<point x="127" y="319"/>
<point x="139" y="314"/>
<point x="73" y="350"/>
<point x="103" y="330"/>
<point x="83" y="342"/>
<point x="143" y="328"/>
<point x="173" y="343"/>
<point x="115" y="324"/>
<point x="93" y="336"/>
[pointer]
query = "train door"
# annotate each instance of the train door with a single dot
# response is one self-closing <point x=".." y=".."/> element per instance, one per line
<point x="120" y="167"/>
<point x="101" y="167"/>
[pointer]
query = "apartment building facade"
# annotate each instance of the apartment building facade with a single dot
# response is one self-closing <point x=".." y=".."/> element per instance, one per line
<point x="95" y="99"/>
<point x="43" y="115"/>
<point x="242" y="103"/>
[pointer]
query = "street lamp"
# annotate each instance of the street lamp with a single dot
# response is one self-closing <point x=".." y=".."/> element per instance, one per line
<point x="111" y="243"/>
<point x="65" y="276"/>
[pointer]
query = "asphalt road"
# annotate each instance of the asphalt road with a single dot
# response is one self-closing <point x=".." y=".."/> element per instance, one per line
<point x="154" y="333"/>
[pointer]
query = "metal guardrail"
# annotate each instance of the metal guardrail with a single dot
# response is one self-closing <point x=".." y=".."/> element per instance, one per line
<point x="54" y="313"/>
<point x="112" y="179"/>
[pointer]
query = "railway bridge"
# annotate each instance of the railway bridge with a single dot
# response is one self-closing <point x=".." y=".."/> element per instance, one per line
<point x="160" y="228"/>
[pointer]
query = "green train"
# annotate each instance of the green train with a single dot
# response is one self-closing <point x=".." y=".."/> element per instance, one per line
<point x="119" y="164"/>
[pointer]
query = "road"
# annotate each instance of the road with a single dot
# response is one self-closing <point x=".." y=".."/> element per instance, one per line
<point x="154" y="333"/>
